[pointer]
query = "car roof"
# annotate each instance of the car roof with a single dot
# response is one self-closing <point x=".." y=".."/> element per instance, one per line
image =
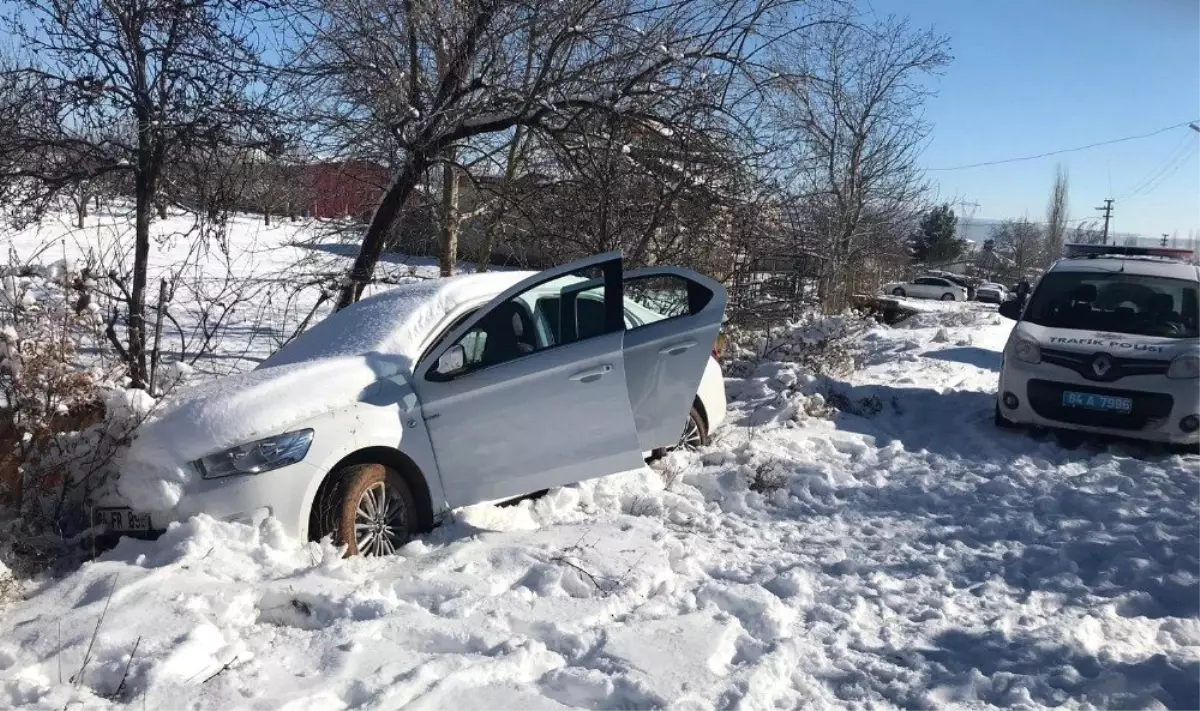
<point x="1149" y="266"/>
<point x="396" y="322"/>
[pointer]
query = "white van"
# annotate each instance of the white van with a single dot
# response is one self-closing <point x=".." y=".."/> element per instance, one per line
<point x="1108" y="343"/>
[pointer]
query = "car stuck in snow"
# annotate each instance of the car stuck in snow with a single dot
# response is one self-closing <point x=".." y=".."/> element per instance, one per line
<point x="1107" y="343"/>
<point x="436" y="395"/>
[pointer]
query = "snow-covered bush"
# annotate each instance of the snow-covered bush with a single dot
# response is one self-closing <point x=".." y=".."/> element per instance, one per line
<point x="64" y="413"/>
<point x="818" y="343"/>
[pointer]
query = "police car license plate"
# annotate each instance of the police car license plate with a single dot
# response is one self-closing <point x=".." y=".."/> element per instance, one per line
<point x="1092" y="401"/>
<point x="120" y="520"/>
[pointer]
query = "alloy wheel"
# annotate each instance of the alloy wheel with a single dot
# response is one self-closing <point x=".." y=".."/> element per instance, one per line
<point x="379" y="523"/>
<point x="692" y="438"/>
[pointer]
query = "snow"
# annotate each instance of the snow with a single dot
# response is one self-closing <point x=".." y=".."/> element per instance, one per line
<point x="394" y="324"/>
<point x="907" y="556"/>
<point x="899" y="553"/>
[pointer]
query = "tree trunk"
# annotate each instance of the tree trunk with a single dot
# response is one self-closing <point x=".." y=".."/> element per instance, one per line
<point x="137" y="294"/>
<point x="376" y="237"/>
<point x="448" y="244"/>
<point x="80" y="212"/>
<point x="267" y="218"/>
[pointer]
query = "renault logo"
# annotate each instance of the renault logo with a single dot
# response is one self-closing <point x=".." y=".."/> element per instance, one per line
<point x="1101" y="365"/>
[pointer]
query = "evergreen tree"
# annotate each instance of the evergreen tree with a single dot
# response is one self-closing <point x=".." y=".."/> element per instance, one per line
<point x="935" y="241"/>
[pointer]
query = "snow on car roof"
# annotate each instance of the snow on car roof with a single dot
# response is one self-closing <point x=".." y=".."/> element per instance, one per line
<point x="396" y="323"/>
<point x="1149" y="266"/>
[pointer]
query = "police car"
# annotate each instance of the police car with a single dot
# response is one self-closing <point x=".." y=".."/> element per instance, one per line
<point x="1108" y="343"/>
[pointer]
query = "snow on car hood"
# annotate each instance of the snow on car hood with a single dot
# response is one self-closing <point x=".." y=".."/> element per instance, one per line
<point x="1125" y="345"/>
<point x="325" y="368"/>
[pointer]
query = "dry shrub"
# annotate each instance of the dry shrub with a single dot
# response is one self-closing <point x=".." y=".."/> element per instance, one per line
<point x="819" y="344"/>
<point x="63" y="415"/>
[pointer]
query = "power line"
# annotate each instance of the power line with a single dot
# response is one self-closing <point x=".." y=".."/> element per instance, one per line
<point x="1161" y="177"/>
<point x="1063" y="150"/>
<point x="1184" y="143"/>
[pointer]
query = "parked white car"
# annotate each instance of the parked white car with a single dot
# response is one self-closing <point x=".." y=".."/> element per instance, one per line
<point x="928" y="287"/>
<point x="991" y="293"/>
<point x="383" y="417"/>
<point x="1108" y="343"/>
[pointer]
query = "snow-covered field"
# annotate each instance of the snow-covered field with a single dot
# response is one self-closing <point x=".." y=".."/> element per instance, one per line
<point x="903" y="553"/>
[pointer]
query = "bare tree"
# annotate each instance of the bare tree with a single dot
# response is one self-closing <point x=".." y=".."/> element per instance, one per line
<point x="852" y="123"/>
<point x="1056" y="215"/>
<point x="414" y="80"/>
<point x="132" y="86"/>
<point x="1022" y="244"/>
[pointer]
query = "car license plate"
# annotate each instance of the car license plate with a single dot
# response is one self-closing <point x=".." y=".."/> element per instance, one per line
<point x="1092" y="401"/>
<point x="121" y="520"/>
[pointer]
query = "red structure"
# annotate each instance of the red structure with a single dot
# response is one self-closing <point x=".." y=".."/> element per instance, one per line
<point x="344" y="189"/>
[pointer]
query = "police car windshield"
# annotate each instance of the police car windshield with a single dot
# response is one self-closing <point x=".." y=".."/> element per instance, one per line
<point x="1116" y="302"/>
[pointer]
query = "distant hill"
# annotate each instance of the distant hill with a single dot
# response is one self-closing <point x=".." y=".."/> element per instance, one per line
<point x="979" y="229"/>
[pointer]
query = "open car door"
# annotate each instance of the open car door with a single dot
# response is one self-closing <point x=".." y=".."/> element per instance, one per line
<point x="520" y="397"/>
<point x="675" y="317"/>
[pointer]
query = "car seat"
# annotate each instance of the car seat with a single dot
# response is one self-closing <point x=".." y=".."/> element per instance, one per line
<point x="508" y="332"/>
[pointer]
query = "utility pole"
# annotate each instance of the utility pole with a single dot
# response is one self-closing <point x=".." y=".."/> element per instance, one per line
<point x="1163" y="243"/>
<point x="1108" y="215"/>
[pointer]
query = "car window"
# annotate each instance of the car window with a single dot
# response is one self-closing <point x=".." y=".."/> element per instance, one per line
<point x="929" y="281"/>
<point x="658" y="297"/>
<point x="1116" y="302"/>
<point x="589" y="317"/>
<point x="565" y="309"/>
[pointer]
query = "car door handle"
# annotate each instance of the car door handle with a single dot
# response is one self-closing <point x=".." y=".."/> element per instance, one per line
<point x="677" y="348"/>
<point x="592" y="374"/>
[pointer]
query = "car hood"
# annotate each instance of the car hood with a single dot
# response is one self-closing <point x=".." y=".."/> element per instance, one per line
<point x="224" y="413"/>
<point x="1123" y="345"/>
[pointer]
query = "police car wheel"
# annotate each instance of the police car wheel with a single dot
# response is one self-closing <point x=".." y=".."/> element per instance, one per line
<point x="1003" y="423"/>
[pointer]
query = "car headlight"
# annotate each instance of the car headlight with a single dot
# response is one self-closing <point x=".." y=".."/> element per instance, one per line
<point x="1184" y="367"/>
<point x="1027" y="349"/>
<point x="256" y="457"/>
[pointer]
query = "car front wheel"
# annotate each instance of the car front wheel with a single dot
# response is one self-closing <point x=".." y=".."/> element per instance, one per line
<point x="369" y="509"/>
<point x="947" y="297"/>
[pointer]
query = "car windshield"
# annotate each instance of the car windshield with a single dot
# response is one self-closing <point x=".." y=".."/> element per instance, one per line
<point x="1116" y="302"/>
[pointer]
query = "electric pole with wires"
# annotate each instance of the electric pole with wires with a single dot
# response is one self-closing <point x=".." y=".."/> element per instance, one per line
<point x="1107" y="216"/>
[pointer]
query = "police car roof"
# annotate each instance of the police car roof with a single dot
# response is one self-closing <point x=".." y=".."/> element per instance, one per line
<point x="1150" y="266"/>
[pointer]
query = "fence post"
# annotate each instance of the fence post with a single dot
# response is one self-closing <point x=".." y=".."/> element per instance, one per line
<point x="162" y="307"/>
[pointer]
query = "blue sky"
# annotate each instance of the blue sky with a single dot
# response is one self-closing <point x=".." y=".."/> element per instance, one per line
<point x="1031" y="76"/>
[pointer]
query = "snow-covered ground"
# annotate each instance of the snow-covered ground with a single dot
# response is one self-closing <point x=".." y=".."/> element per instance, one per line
<point x="268" y="277"/>
<point x="903" y="553"/>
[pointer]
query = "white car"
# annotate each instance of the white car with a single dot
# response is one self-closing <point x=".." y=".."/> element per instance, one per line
<point x="991" y="293"/>
<point x="1107" y="343"/>
<point x="383" y="417"/>
<point x="928" y="287"/>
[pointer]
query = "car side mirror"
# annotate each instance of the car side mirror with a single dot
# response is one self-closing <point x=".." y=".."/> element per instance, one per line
<point x="1011" y="309"/>
<point x="452" y="361"/>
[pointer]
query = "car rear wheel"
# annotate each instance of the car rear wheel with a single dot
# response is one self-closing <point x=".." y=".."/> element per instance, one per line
<point x="695" y="432"/>
<point x="897" y="292"/>
<point x="370" y="510"/>
<point x="947" y="297"/>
